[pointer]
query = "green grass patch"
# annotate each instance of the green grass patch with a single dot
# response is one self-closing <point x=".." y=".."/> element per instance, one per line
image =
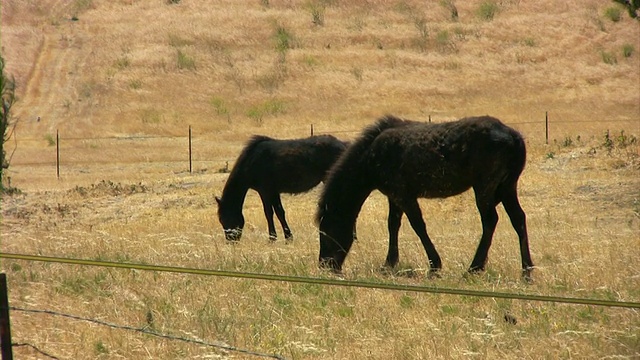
<point x="122" y="63"/>
<point x="220" y="107"/>
<point x="51" y="140"/>
<point x="135" y="84"/>
<point x="613" y="13"/>
<point x="608" y="58"/>
<point x="184" y="61"/>
<point x="270" y="107"/>
<point x="283" y="39"/>
<point x="151" y="116"/>
<point x="488" y="10"/>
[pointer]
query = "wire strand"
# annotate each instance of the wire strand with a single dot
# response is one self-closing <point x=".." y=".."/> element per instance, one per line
<point x="145" y="331"/>
<point x="327" y="281"/>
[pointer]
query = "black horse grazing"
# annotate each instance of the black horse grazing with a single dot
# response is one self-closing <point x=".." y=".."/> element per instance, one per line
<point x="272" y="167"/>
<point x="407" y="160"/>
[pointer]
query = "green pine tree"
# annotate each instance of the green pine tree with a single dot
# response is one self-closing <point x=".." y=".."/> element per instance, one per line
<point x="7" y="90"/>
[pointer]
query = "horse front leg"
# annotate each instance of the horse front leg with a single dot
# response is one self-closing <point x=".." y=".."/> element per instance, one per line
<point x="414" y="214"/>
<point x="267" y="206"/>
<point x="393" y="224"/>
<point x="280" y="213"/>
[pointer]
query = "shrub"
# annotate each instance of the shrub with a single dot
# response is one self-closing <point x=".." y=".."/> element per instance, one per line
<point x="609" y="58"/>
<point x="220" y="107"/>
<point x="317" y="12"/>
<point x="185" y="61"/>
<point x="488" y="10"/>
<point x="269" y="107"/>
<point x="135" y="84"/>
<point x="627" y="50"/>
<point x="613" y="14"/>
<point x="51" y="140"/>
<point x="451" y="6"/>
<point x="423" y="32"/>
<point x="122" y="63"/>
<point x="283" y="39"/>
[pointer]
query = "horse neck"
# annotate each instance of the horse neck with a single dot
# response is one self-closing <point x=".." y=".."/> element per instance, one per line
<point x="343" y="199"/>
<point x="234" y="192"/>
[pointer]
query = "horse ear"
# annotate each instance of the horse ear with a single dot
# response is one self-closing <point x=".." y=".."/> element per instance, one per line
<point x="218" y="200"/>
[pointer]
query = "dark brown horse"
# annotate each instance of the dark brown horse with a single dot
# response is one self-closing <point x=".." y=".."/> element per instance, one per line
<point x="407" y="160"/>
<point x="271" y="167"/>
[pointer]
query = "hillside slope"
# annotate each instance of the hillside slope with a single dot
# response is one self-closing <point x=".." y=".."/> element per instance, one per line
<point x="122" y="67"/>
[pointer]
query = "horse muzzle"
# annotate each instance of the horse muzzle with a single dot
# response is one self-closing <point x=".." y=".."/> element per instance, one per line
<point x="330" y="263"/>
<point x="233" y="234"/>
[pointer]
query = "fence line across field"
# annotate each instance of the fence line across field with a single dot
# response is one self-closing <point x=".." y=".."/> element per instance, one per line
<point x="323" y="281"/>
<point x="188" y="158"/>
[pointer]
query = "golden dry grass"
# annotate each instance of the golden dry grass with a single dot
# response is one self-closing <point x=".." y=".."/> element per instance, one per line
<point x="116" y="71"/>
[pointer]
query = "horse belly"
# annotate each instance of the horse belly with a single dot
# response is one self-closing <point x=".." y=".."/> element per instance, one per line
<point x="298" y="183"/>
<point x="438" y="179"/>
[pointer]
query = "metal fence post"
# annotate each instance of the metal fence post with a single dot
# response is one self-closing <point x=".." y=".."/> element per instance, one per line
<point x="58" y="153"/>
<point x="546" y="127"/>
<point x="5" y="327"/>
<point x="190" y="162"/>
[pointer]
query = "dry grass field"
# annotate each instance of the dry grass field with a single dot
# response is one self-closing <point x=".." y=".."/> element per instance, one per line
<point x="101" y="72"/>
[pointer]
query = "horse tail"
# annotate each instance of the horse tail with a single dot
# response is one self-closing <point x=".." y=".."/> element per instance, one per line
<point x="516" y="163"/>
<point x="345" y="171"/>
<point x="521" y="154"/>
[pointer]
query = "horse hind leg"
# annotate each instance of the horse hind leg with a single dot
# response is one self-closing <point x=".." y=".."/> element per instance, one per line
<point x="519" y="222"/>
<point x="280" y="213"/>
<point x="489" y="217"/>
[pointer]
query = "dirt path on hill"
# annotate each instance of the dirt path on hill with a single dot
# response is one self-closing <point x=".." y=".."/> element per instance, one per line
<point x="46" y="91"/>
<point x="47" y="86"/>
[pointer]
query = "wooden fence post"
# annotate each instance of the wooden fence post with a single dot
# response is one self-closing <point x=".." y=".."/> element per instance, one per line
<point x="5" y="327"/>
<point x="311" y="129"/>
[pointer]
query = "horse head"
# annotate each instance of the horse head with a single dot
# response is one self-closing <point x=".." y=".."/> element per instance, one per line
<point x="232" y="221"/>
<point x="335" y="242"/>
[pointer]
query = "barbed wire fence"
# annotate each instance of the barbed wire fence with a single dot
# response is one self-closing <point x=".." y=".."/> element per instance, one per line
<point x="142" y="330"/>
<point x="4" y="306"/>
<point x="90" y="152"/>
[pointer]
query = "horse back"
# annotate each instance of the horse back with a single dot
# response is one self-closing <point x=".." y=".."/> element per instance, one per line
<point x="445" y="159"/>
<point x="293" y="165"/>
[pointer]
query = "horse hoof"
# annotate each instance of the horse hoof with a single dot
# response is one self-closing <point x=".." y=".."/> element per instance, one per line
<point x="472" y="276"/>
<point x="434" y="274"/>
<point x="510" y="319"/>
<point x="526" y="275"/>
<point x="475" y="270"/>
<point x="386" y="270"/>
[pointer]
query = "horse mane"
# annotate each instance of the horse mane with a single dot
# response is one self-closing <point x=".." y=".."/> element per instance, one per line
<point x="356" y="150"/>
<point x="247" y="151"/>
